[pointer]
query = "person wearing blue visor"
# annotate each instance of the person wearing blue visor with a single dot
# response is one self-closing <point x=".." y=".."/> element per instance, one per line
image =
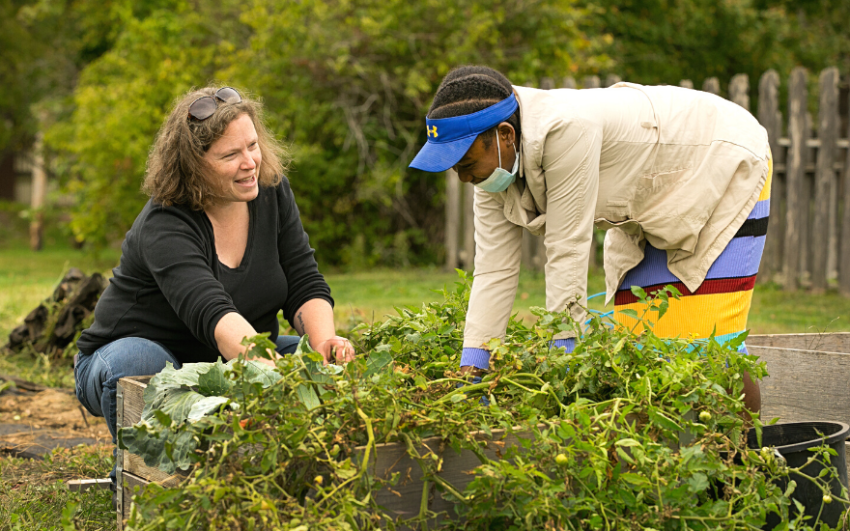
<point x="679" y="179"/>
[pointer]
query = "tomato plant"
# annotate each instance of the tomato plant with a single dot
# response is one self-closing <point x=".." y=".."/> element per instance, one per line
<point x="601" y="430"/>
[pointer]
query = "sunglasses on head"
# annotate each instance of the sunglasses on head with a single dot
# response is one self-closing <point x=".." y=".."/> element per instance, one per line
<point x="205" y="106"/>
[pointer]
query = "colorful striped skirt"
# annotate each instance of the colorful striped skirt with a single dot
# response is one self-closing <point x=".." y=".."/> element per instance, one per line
<point x="721" y="304"/>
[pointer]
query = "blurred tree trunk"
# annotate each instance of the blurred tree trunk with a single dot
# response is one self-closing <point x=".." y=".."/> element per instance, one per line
<point x="39" y="191"/>
<point x="7" y="176"/>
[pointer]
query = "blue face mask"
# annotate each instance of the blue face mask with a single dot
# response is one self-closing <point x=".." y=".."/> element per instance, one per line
<point x="500" y="179"/>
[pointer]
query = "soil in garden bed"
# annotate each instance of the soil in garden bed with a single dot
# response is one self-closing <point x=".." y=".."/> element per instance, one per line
<point x="33" y="423"/>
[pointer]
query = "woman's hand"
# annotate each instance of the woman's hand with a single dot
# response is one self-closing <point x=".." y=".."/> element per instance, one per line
<point x="315" y="318"/>
<point x="336" y="350"/>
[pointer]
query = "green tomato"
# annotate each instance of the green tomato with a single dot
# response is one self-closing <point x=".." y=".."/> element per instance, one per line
<point x="562" y="459"/>
<point x="827" y="498"/>
<point x="705" y="416"/>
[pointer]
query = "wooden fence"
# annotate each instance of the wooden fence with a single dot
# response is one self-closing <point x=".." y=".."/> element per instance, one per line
<point x="808" y="240"/>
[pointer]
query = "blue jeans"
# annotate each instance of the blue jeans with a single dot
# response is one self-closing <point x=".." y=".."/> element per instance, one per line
<point x="97" y="374"/>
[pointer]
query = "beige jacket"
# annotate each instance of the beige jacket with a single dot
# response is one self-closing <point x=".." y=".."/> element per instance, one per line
<point x="678" y="168"/>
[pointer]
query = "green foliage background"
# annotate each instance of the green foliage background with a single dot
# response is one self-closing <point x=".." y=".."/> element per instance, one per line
<point x="346" y="84"/>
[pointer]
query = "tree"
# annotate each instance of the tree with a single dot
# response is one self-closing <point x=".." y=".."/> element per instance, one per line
<point x="122" y="99"/>
<point x="346" y="82"/>
<point x="665" y="41"/>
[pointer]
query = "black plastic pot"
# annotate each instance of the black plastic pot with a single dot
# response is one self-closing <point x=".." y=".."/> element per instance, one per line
<point x="793" y="441"/>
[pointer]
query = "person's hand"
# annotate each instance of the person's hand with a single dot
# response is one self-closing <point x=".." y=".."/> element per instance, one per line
<point x="271" y="353"/>
<point x="477" y="375"/>
<point x="472" y="370"/>
<point x="336" y="350"/>
<point x="270" y="363"/>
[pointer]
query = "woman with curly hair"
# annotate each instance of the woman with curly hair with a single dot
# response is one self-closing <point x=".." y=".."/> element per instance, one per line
<point x="214" y="255"/>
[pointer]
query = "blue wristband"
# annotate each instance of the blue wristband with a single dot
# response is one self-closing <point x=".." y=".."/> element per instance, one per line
<point x="476" y="357"/>
<point x="569" y="344"/>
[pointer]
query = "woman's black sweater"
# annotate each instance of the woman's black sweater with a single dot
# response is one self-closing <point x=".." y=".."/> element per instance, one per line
<point x="171" y="288"/>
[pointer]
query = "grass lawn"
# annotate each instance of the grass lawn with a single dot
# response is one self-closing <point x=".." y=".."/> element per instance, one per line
<point x="27" y="277"/>
<point x="33" y="495"/>
<point x="773" y="311"/>
<point x="364" y="293"/>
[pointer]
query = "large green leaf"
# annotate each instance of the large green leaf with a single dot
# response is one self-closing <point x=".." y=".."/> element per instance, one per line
<point x="164" y="449"/>
<point x="188" y="394"/>
<point x="378" y="361"/>
<point x="308" y="396"/>
<point x="170" y="378"/>
<point x="214" y="381"/>
<point x="255" y="372"/>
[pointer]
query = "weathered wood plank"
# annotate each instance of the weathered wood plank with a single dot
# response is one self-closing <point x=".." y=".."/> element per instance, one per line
<point x="131" y="486"/>
<point x="132" y="470"/>
<point x="833" y="224"/>
<point x="804" y="384"/>
<point x="134" y="400"/>
<point x="795" y="177"/>
<point x="136" y="465"/>
<point x="569" y="82"/>
<point x="468" y="257"/>
<point x="453" y="211"/>
<point x="778" y="208"/>
<point x="591" y="82"/>
<point x="611" y="80"/>
<point x="81" y="485"/>
<point x="547" y="83"/>
<point x="834" y="342"/>
<point x="809" y="168"/>
<point x="841" y="143"/>
<point x="119" y="456"/>
<point x="846" y="460"/>
<point x="686" y="83"/>
<point x="711" y="85"/>
<point x="844" y="259"/>
<point x="768" y="117"/>
<point x="824" y="176"/>
<point x="403" y="500"/>
<point x="806" y="202"/>
<point x="739" y="90"/>
<point x="130" y="402"/>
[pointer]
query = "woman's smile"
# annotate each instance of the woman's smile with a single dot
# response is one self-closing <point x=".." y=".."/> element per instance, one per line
<point x="248" y="182"/>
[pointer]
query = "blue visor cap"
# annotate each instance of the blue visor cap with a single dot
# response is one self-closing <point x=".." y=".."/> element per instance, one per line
<point x="449" y="138"/>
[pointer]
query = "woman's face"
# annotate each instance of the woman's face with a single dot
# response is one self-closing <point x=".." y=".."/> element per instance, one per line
<point x="481" y="160"/>
<point x="235" y="159"/>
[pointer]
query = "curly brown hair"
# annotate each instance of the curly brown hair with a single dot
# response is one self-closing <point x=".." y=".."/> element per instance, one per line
<point x="176" y="169"/>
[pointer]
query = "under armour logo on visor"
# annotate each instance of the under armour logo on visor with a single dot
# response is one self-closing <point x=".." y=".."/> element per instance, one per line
<point x="457" y="133"/>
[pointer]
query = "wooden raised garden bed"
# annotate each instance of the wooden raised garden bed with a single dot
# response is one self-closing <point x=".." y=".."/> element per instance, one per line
<point x="808" y="377"/>
<point x="808" y="381"/>
<point x="403" y="501"/>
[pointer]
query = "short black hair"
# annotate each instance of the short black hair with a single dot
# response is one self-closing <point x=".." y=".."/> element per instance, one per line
<point x="469" y="89"/>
